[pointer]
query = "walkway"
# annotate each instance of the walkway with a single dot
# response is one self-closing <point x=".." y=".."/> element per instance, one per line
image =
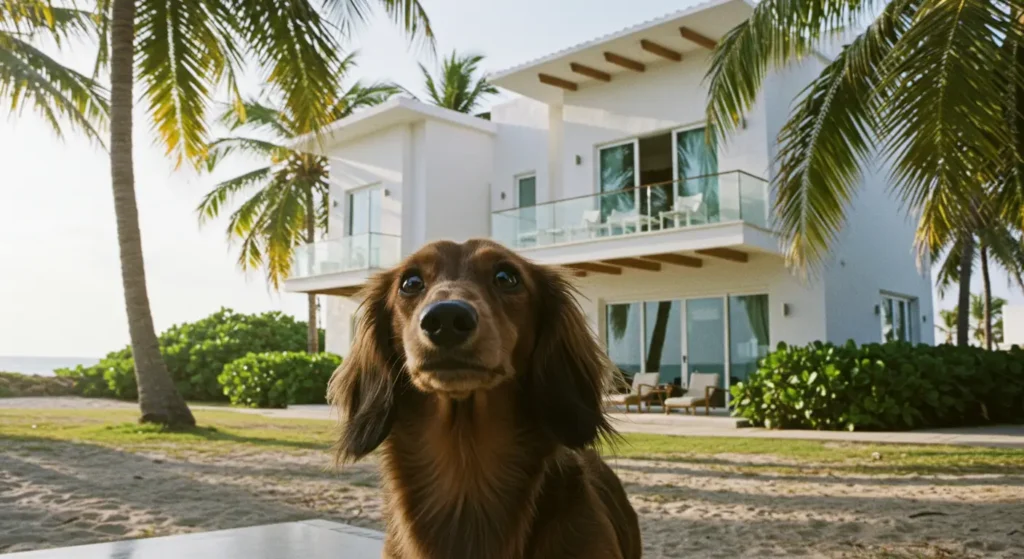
<point x="716" y="425"/>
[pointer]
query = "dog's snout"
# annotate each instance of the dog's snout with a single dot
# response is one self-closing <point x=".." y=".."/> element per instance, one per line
<point x="448" y="323"/>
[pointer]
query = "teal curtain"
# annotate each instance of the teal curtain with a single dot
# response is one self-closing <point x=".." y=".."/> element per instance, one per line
<point x="698" y="162"/>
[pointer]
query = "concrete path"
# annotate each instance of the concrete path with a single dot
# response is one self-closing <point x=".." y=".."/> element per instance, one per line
<point x="716" y="425"/>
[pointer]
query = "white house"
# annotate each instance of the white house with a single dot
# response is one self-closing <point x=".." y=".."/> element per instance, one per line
<point x="601" y="165"/>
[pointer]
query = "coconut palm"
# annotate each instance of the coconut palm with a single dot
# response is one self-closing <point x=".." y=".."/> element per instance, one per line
<point x="987" y="317"/>
<point x="457" y="87"/>
<point x="934" y="88"/>
<point x="182" y="52"/>
<point x="286" y="200"/>
<point x="30" y="77"/>
<point x="948" y="325"/>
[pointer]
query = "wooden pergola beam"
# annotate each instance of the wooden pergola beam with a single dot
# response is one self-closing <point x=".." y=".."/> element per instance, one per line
<point x="557" y="82"/>
<point x="725" y="254"/>
<point x="635" y="263"/>
<point x="585" y="70"/>
<point x="677" y="259"/>
<point x="627" y="63"/>
<point x="662" y="51"/>
<point x="596" y="268"/>
<point x="694" y="37"/>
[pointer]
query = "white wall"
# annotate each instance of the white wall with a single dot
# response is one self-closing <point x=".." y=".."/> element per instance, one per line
<point x="374" y="159"/>
<point x="459" y="169"/>
<point x="521" y="147"/>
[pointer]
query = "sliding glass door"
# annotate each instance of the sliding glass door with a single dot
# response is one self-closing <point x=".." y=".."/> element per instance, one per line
<point x="696" y="169"/>
<point x="748" y="335"/>
<point x="618" y="171"/>
<point x="705" y="337"/>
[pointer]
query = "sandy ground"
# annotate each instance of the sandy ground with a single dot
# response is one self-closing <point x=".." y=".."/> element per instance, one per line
<point x="54" y="494"/>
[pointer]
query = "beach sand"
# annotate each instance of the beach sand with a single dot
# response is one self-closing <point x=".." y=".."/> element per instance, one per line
<point x="57" y="494"/>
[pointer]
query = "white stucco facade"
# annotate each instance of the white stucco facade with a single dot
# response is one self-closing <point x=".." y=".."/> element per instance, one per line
<point x="443" y="175"/>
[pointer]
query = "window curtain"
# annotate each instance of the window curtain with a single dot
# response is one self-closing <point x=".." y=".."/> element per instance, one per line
<point x="695" y="158"/>
<point x="757" y="313"/>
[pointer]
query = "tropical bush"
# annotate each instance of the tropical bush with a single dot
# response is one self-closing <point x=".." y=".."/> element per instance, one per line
<point x="890" y="386"/>
<point x="196" y="354"/>
<point x="275" y="380"/>
<point x="15" y="385"/>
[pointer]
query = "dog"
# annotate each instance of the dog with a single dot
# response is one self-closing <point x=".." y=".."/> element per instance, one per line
<point x="475" y="373"/>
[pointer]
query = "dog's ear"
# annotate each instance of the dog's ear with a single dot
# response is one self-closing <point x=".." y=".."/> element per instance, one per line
<point x="365" y="386"/>
<point x="569" y="367"/>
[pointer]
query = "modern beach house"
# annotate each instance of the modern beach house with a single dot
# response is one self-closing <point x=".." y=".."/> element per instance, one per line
<point x="600" y="164"/>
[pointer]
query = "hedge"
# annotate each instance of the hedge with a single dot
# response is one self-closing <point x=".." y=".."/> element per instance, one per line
<point x="275" y="380"/>
<point x="196" y="354"/>
<point x="892" y="386"/>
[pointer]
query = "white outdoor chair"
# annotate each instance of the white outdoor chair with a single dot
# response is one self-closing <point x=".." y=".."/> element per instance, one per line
<point x="699" y="391"/>
<point x="683" y="207"/>
<point x="643" y="384"/>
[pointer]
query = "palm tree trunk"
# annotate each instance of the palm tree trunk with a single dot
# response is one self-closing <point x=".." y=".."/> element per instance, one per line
<point x="654" y="352"/>
<point x="312" y="332"/>
<point x="987" y="285"/>
<point x="963" y="311"/>
<point x="159" y="400"/>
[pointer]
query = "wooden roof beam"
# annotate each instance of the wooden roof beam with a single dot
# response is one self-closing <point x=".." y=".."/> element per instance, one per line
<point x="627" y="63"/>
<point x="694" y="37"/>
<point x="677" y="259"/>
<point x="596" y="268"/>
<point x="664" y="52"/>
<point x="584" y="70"/>
<point x="557" y="82"/>
<point x="635" y="263"/>
<point x="726" y="254"/>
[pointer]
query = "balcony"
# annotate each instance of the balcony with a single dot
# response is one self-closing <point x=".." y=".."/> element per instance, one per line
<point x="341" y="266"/>
<point x="706" y="214"/>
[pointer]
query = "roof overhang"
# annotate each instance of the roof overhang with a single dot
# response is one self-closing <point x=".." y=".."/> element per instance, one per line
<point x="665" y="40"/>
<point x="396" y="111"/>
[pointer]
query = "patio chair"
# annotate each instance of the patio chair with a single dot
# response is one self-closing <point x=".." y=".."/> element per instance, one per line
<point x="643" y="384"/>
<point x="700" y="389"/>
<point x="684" y="206"/>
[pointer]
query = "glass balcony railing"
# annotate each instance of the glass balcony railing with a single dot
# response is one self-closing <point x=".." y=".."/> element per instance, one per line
<point x="724" y="197"/>
<point x="347" y="254"/>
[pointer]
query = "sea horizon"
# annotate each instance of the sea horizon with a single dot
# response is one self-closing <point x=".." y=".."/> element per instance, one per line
<point x="41" y="366"/>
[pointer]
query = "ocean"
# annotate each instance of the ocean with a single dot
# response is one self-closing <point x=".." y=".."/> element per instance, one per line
<point x="43" y="366"/>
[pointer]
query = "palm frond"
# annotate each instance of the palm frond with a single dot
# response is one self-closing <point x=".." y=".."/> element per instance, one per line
<point x="258" y="117"/>
<point x="214" y="200"/>
<point x="458" y="88"/>
<point x="223" y="148"/>
<point x="56" y="93"/>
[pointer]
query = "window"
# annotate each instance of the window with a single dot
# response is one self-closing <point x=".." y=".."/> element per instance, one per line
<point x="697" y="170"/>
<point x="526" y="191"/>
<point x="365" y="207"/>
<point x="748" y="334"/>
<point x="897" y="323"/>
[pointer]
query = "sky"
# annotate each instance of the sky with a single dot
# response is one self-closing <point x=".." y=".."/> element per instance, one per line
<point x="60" y="284"/>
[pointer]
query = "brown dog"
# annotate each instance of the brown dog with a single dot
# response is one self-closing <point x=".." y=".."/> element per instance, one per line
<point x="477" y="375"/>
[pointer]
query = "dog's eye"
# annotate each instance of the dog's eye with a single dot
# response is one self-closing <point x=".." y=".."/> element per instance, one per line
<point x="412" y="284"/>
<point x="506" y="278"/>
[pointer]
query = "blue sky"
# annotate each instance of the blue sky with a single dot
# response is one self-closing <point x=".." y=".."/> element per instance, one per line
<point x="60" y="286"/>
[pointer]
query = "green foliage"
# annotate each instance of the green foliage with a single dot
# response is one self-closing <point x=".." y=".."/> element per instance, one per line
<point x="891" y="386"/>
<point x="196" y="354"/>
<point x="275" y="380"/>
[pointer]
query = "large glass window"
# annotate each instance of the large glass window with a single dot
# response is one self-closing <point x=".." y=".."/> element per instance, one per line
<point x="365" y="207"/>
<point x="897" y="325"/>
<point x="622" y="328"/>
<point x="748" y="334"/>
<point x="663" y="340"/>
<point x="618" y="172"/>
<point x="697" y="170"/>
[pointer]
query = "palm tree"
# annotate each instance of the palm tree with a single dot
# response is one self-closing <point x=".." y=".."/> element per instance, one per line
<point x="183" y="51"/>
<point x="935" y="88"/>
<point x="286" y="199"/>
<point x="30" y="77"/>
<point x="988" y="320"/>
<point x="948" y="326"/>
<point x="457" y="87"/>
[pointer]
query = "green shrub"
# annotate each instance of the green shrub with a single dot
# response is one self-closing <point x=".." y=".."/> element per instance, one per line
<point x="275" y="380"/>
<point x="196" y="354"/>
<point x="17" y="385"/>
<point x="888" y="386"/>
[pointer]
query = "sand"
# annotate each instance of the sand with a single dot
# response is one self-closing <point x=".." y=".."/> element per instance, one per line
<point x="56" y="494"/>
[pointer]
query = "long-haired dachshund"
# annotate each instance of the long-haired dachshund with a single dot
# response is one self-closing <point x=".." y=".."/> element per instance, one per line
<point x="476" y="374"/>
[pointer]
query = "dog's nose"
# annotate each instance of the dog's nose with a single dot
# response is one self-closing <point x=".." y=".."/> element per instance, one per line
<point x="448" y="323"/>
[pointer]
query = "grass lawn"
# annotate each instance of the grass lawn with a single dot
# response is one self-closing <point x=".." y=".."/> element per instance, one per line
<point x="227" y="432"/>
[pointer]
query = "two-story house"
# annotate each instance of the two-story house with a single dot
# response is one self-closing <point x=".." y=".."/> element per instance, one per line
<point x="601" y="165"/>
